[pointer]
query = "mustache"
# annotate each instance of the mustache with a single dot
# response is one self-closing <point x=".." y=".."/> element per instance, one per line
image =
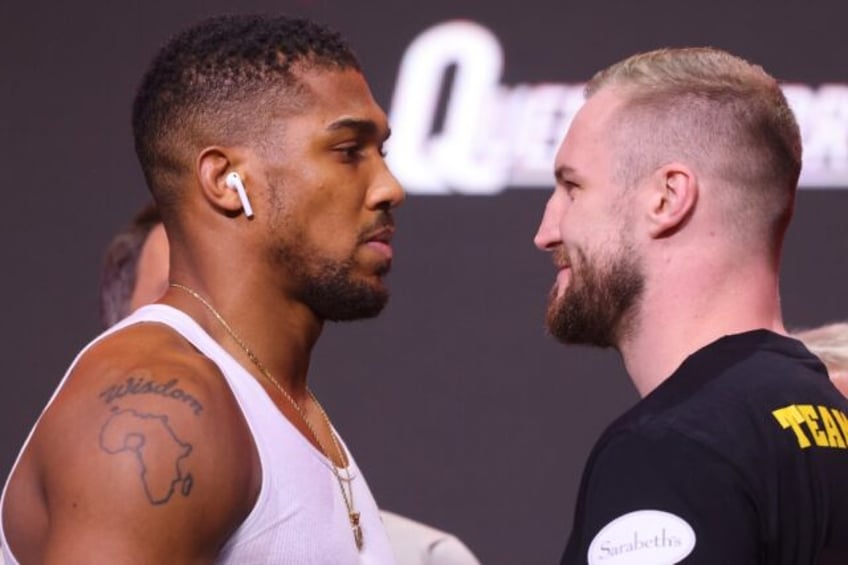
<point x="560" y="257"/>
<point x="385" y="224"/>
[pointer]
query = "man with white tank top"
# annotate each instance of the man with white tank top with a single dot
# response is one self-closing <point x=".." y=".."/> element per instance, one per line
<point x="135" y="273"/>
<point x="187" y="432"/>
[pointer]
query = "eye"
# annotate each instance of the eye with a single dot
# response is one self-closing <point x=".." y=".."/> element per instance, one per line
<point x="355" y="152"/>
<point x="351" y="152"/>
<point x="570" y="188"/>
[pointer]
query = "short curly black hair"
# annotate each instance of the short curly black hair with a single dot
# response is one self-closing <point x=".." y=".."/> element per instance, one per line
<point x="208" y="85"/>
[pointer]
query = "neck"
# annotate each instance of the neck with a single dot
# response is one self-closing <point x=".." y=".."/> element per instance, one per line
<point x="680" y="314"/>
<point x="278" y="332"/>
<point x="221" y="259"/>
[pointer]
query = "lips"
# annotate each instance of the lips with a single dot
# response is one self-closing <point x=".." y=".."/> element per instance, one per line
<point x="563" y="268"/>
<point x="562" y="279"/>
<point x="380" y="241"/>
<point x="382" y="235"/>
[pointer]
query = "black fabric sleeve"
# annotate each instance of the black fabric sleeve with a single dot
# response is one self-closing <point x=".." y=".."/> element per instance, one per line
<point x="663" y="472"/>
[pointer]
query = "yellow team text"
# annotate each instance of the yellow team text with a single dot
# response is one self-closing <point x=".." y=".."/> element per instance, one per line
<point x="815" y="425"/>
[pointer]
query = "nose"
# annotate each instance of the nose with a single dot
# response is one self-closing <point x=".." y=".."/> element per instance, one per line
<point x="548" y="235"/>
<point x="385" y="192"/>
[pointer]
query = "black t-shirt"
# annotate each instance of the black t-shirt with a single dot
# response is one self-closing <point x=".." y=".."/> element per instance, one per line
<point x="739" y="458"/>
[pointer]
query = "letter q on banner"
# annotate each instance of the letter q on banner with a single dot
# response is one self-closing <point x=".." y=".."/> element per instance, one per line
<point x="432" y="163"/>
<point x="643" y="537"/>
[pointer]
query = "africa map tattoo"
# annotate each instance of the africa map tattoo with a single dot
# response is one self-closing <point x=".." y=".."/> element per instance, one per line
<point x="159" y="453"/>
<point x="141" y="385"/>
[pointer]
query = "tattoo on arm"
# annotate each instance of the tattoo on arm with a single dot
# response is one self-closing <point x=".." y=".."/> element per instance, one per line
<point x="160" y="455"/>
<point x="141" y="385"/>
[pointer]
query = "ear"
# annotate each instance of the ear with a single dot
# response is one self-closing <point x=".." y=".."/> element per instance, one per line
<point x="213" y="165"/>
<point x="674" y="193"/>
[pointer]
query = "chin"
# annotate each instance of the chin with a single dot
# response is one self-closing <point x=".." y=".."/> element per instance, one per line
<point x="348" y="299"/>
<point x="383" y="269"/>
<point x="362" y="309"/>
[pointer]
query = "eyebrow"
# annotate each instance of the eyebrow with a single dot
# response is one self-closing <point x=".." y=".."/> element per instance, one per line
<point x="365" y="128"/>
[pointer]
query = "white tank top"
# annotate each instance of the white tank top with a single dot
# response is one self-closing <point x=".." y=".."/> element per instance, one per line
<point x="300" y="517"/>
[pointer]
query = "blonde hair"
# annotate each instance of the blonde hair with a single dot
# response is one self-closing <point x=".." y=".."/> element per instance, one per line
<point x="718" y="112"/>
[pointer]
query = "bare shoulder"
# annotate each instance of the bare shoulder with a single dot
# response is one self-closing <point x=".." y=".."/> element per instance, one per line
<point x="144" y="452"/>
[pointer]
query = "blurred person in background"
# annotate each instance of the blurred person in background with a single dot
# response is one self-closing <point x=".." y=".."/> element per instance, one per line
<point x="830" y="343"/>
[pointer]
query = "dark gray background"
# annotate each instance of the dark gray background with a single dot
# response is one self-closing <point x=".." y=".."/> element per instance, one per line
<point x="460" y="410"/>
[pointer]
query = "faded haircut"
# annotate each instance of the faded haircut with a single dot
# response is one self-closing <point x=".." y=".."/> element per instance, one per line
<point x="219" y="82"/>
<point x="718" y="112"/>
<point x="120" y="265"/>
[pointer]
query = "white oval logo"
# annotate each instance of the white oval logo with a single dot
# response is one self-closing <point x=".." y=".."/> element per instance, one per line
<point x="643" y="537"/>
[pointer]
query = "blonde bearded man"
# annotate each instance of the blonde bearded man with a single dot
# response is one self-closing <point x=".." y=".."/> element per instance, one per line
<point x="674" y="188"/>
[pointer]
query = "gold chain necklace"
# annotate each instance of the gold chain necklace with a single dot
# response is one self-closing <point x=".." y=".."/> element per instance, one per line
<point x="347" y="495"/>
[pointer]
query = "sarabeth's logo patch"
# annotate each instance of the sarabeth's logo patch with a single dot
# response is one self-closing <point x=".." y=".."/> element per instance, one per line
<point x="643" y="537"/>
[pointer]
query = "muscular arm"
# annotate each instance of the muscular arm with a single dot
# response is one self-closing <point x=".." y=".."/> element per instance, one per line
<point x="147" y="464"/>
<point x="653" y="497"/>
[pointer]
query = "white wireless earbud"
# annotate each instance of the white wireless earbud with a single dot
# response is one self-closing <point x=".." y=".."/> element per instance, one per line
<point x="234" y="181"/>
